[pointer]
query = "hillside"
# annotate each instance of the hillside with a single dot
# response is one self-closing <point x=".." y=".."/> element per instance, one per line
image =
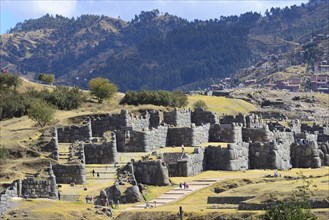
<point x="155" y="51"/>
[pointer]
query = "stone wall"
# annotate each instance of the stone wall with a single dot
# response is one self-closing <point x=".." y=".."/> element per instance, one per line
<point x="6" y="195"/>
<point x="111" y="122"/>
<point x="324" y="153"/>
<point x="130" y="195"/>
<point x="269" y="155"/>
<point x="261" y="134"/>
<point x="229" y="133"/>
<point x="178" y="118"/>
<point x="151" y="172"/>
<point x="40" y="187"/>
<point x="70" y="173"/>
<point x="200" y="117"/>
<point x="227" y="199"/>
<point x="188" y="136"/>
<point x="141" y="141"/>
<point x="101" y="153"/>
<point x="323" y="138"/>
<point x="305" y="155"/>
<point x="234" y="157"/>
<point x="229" y="119"/>
<point x="70" y="134"/>
<point x="183" y="164"/>
<point x="324" y="129"/>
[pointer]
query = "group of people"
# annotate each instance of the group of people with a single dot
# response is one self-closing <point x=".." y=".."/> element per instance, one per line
<point x="96" y="173"/>
<point x="183" y="185"/>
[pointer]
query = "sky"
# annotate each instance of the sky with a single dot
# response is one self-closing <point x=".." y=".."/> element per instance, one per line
<point x="14" y="11"/>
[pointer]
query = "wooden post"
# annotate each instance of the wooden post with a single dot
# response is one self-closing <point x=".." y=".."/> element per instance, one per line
<point x="180" y="213"/>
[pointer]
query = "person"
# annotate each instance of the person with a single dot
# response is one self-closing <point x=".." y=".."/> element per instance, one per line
<point x="276" y="174"/>
<point x="87" y="198"/>
<point x="59" y="195"/>
<point x="106" y="167"/>
<point x="155" y="203"/>
<point x="93" y="173"/>
<point x="97" y="174"/>
<point x="184" y="185"/>
<point x="180" y="185"/>
<point x="91" y="200"/>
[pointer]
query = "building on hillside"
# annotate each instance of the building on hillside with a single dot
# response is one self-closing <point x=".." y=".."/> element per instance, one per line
<point x="292" y="85"/>
<point x="250" y="82"/>
<point x="320" y="83"/>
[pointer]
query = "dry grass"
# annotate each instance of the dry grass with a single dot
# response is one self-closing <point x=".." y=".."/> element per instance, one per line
<point x="223" y="105"/>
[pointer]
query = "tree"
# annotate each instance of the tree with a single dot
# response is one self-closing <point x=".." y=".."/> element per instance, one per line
<point x="102" y="88"/>
<point x="41" y="112"/>
<point x="48" y="78"/>
<point x="200" y="104"/>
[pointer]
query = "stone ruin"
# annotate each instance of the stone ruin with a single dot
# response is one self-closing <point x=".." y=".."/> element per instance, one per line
<point x="251" y="144"/>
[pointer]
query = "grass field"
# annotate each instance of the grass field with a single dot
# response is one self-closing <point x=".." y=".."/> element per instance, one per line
<point x="223" y="105"/>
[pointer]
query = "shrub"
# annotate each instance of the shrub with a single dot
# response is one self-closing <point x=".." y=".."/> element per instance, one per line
<point x="8" y="80"/>
<point x="41" y="112"/>
<point x="159" y="97"/>
<point x="200" y="104"/>
<point x="13" y="105"/>
<point x="47" y="78"/>
<point x="102" y="88"/>
<point x="65" y="98"/>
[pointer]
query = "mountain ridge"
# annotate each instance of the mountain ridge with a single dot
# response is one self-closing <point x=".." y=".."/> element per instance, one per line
<point x="153" y="50"/>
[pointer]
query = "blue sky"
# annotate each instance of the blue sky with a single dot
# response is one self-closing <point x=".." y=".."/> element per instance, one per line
<point x="13" y="11"/>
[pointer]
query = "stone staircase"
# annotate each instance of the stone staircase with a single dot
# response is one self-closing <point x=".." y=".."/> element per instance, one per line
<point x="177" y="193"/>
<point x="64" y="153"/>
<point x="107" y="172"/>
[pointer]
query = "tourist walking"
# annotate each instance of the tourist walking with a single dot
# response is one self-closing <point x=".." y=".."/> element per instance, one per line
<point x="93" y="173"/>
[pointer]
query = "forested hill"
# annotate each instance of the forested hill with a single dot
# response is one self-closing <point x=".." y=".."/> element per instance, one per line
<point x="155" y="50"/>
